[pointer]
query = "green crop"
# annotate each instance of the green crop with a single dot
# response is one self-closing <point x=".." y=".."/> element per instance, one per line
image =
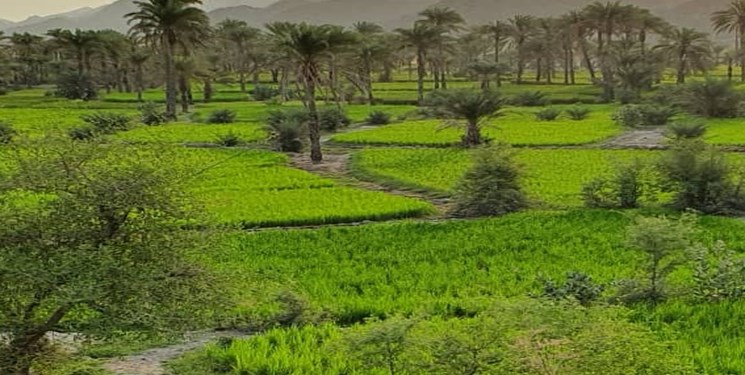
<point x="192" y="133"/>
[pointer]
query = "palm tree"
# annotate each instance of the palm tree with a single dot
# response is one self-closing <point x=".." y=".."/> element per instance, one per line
<point x="498" y="33"/>
<point x="447" y="21"/>
<point x="469" y="105"/>
<point x="645" y="22"/>
<point x="26" y="50"/>
<point x="241" y="38"/>
<point x="579" y="29"/>
<point x="82" y="43"/>
<point x="168" y="23"/>
<point x="521" y="29"/>
<point x="308" y="46"/>
<point x="421" y="37"/>
<point x="138" y="57"/>
<point x="606" y="19"/>
<point x="371" y="47"/>
<point x="690" y="49"/>
<point x="732" y="20"/>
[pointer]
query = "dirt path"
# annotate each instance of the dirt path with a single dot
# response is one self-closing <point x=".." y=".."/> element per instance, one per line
<point x="652" y="138"/>
<point x="151" y="362"/>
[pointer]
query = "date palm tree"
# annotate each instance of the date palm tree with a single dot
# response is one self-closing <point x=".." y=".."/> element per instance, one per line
<point x="447" y="21"/>
<point x="521" y="29"/>
<point x="473" y="106"/>
<point x="371" y="48"/>
<point x="308" y="47"/>
<point x="168" y="24"/>
<point x="732" y="20"/>
<point x="498" y="32"/>
<point x="240" y="38"/>
<point x="422" y="37"/>
<point x="689" y="48"/>
<point x="81" y="43"/>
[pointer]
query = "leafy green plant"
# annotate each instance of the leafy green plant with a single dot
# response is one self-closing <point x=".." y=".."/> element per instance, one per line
<point x="229" y="139"/>
<point x="222" y="116"/>
<point x="107" y="122"/>
<point x="548" y="114"/>
<point x="578" y="286"/>
<point x="82" y="133"/>
<point x="623" y="189"/>
<point x="74" y="86"/>
<point x="491" y="187"/>
<point x="469" y="106"/>
<point x="685" y="130"/>
<point x="6" y="133"/>
<point x="719" y="273"/>
<point x="378" y="118"/>
<point x="152" y="114"/>
<point x="578" y="113"/>
<point x="333" y="119"/>
<point x="530" y="99"/>
<point x="263" y="93"/>
<point x="711" y="98"/>
<point x="657" y="115"/>
<point x="629" y="116"/>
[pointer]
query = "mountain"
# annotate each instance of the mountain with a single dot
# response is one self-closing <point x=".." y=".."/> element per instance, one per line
<point x="696" y="13"/>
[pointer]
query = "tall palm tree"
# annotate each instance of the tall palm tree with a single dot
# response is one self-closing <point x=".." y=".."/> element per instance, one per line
<point x="498" y="33"/>
<point x="82" y="44"/>
<point x="732" y="20"/>
<point x="371" y="47"/>
<point x="241" y="38"/>
<point x="421" y="38"/>
<point x="579" y="29"/>
<point x="645" y="22"/>
<point x="138" y="57"/>
<point x="447" y="21"/>
<point x="606" y="19"/>
<point x="308" y="47"/>
<point x="521" y="29"/>
<point x="691" y="50"/>
<point x="168" y="23"/>
<point x="26" y="50"/>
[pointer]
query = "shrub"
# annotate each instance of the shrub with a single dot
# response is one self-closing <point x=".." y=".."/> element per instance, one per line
<point x="222" y="116"/>
<point x="719" y="273"/>
<point x="711" y="98"/>
<point x="378" y="118"/>
<point x="624" y="189"/>
<point x="152" y="114"/>
<point x="75" y="86"/>
<point x="578" y="113"/>
<point x="700" y="178"/>
<point x="287" y="129"/>
<point x="491" y="187"/>
<point x="229" y="139"/>
<point x="530" y="99"/>
<point x="3" y="91"/>
<point x="6" y="133"/>
<point x="262" y="93"/>
<point x="630" y="116"/>
<point x="578" y="286"/>
<point x="82" y="133"/>
<point x="548" y="114"/>
<point x="626" y="96"/>
<point x="657" y="115"/>
<point x="685" y="130"/>
<point x="331" y="119"/>
<point x="107" y="122"/>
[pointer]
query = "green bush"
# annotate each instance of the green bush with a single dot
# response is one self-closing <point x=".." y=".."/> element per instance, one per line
<point x="82" y="133"/>
<point x="6" y="133"/>
<point x="548" y="114"/>
<point x="378" y="118"/>
<point x="75" y="86"/>
<point x="629" y="116"/>
<point x="719" y="273"/>
<point x="263" y="93"/>
<point x="491" y="187"/>
<point x="657" y="115"/>
<point x="711" y="98"/>
<point x="578" y="113"/>
<point x="229" y="139"/>
<point x="222" y="116"/>
<point x="685" y="130"/>
<point x="107" y="122"/>
<point x="152" y="114"/>
<point x="530" y="99"/>
<point x="578" y="286"/>
<point x="287" y="129"/>
<point x="623" y="189"/>
<point x="332" y="119"/>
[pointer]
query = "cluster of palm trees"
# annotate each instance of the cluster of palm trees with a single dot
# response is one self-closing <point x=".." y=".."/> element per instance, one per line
<point x="618" y="46"/>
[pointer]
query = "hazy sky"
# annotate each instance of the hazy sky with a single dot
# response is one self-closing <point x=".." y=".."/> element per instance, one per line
<point x="16" y="10"/>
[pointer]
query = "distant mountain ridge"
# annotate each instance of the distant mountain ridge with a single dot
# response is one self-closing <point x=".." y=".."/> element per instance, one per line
<point x="390" y="13"/>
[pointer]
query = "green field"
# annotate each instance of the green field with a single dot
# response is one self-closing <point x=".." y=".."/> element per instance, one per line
<point x="192" y="133"/>
<point x="519" y="127"/>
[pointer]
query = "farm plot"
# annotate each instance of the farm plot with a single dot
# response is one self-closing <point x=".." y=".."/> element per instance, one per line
<point x="519" y="127"/>
<point x="459" y="268"/>
<point x="555" y="177"/>
<point x="255" y="189"/>
<point x="193" y="133"/>
<point x="35" y="122"/>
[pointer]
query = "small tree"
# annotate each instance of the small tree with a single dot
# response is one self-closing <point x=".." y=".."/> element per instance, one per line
<point x="711" y="98"/>
<point x="90" y="242"/>
<point x="664" y="241"/>
<point x="491" y="187"/>
<point x="76" y="86"/>
<point x="472" y="106"/>
<point x="382" y="344"/>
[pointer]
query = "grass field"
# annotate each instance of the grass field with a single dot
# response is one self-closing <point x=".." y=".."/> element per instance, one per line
<point x="519" y="126"/>
<point x="190" y="133"/>
<point x="554" y="177"/>
<point x="256" y="189"/>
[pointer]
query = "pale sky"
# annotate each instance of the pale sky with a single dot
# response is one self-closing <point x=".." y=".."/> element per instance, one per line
<point x="17" y="10"/>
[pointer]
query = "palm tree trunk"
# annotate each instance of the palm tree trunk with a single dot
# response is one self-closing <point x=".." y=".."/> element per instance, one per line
<point x="242" y="79"/>
<point x="740" y="51"/>
<point x="473" y="134"/>
<point x="421" y="72"/>
<point x="587" y="59"/>
<point x="314" y="130"/>
<point x="497" y="42"/>
<point x="170" y="79"/>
